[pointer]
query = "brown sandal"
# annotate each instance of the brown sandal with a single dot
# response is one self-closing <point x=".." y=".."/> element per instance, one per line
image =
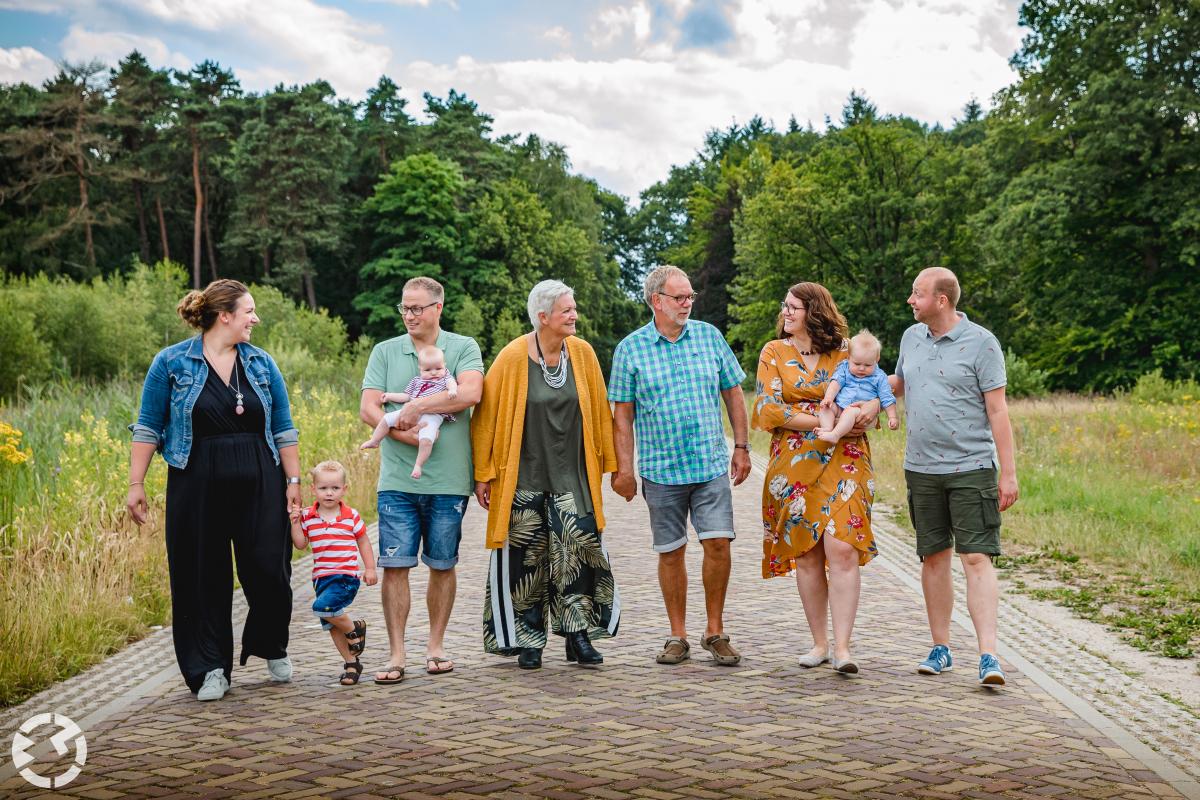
<point x="357" y="638"/>
<point x="388" y="670"/>
<point x="353" y="671"/>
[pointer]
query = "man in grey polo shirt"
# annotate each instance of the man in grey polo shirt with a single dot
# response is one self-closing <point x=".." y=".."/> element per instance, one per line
<point x="951" y="373"/>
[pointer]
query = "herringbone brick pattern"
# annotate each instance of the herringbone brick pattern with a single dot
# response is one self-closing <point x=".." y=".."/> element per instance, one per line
<point x="630" y="729"/>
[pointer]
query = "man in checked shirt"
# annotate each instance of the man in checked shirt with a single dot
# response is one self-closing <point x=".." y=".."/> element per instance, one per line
<point x="668" y="380"/>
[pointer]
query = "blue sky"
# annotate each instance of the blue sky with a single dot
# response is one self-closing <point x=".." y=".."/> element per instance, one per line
<point x="628" y="86"/>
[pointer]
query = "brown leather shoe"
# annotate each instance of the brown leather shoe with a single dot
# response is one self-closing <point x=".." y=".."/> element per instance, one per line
<point x="722" y="651"/>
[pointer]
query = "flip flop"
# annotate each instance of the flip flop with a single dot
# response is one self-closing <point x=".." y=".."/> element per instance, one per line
<point x="433" y="665"/>
<point x="388" y="670"/>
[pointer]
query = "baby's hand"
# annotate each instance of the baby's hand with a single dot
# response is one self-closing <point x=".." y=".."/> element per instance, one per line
<point x="452" y="392"/>
<point x="826" y="403"/>
<point x="893" y="424"/>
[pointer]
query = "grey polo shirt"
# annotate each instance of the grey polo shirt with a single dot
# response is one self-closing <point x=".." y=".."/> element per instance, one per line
<point x="944" y="381"/>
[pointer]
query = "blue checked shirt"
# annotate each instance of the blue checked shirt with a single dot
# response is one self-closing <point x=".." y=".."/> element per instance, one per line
<point x="675" y="388"/>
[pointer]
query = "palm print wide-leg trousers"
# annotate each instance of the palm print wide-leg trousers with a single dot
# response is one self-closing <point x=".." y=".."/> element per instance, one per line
<point x="553" y="567"/>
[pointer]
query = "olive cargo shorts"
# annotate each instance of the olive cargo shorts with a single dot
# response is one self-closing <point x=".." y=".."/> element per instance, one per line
<point x="959" y="509"/>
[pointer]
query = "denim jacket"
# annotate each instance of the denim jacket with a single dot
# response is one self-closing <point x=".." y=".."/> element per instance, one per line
<point x="173" y="384"/>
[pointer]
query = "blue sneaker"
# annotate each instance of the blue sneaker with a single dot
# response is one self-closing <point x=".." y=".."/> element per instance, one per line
<point x="939" y="661"/>
<point x="990" y="673"/>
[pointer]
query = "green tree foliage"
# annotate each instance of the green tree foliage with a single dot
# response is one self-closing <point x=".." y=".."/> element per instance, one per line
<point x="418" y="231"/>
<point x="288" y="168"/>
<point x="1094" y="152"/>
<point x="142" y="105"/>
<point x="60" y="151"/>
<point x="862" y="214"/>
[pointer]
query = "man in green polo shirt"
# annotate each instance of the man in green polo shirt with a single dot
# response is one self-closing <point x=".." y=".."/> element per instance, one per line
<point x="421" y="514"/>
<point x="951" y="374"/>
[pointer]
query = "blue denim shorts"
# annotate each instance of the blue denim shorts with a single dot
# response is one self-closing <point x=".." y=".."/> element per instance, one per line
<point x="430" y="523"/>
<point x="335" y="593"/>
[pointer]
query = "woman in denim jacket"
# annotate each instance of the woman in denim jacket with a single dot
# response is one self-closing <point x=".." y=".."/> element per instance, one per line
<point x="216" y="407"/>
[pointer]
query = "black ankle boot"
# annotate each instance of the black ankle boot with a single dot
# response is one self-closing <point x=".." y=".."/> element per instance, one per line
<point x="530" y="658"/>
<point x="581" y="650"/>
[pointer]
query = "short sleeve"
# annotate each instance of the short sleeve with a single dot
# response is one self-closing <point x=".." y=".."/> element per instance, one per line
<point x="620" y="377"/>
<point x="470" y="360"/>
<point x="841" y="373"/>
<point x="989" y="365"/>
<point x="376" y="375"/>
<point x="883" y="388"/>
<point x="732" y="373"/>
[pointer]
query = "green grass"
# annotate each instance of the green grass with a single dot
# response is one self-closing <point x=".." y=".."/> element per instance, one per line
<point x="1109" y="513"/>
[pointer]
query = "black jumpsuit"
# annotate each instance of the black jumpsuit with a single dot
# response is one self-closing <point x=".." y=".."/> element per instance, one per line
<point x="231" y="491"/>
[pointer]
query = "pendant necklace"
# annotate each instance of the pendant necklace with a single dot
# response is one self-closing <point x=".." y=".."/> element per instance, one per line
<point x="557" y="377"/>
<point x="237" y="392"/>
<point x="792" y="340"/>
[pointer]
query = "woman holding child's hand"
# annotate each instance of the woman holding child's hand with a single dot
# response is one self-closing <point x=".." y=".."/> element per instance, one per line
<point x="217" y="409"/>
<point x="542" y="440"/>
<point x="817" y="495"/>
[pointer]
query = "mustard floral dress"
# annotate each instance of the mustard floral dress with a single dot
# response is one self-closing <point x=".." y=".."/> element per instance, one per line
<point x="812" y="488"/>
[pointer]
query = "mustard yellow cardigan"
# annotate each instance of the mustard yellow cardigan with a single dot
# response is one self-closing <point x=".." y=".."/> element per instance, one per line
<point x="498" y="423"/>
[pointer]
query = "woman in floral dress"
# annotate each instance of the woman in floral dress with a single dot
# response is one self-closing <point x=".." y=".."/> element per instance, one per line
<point x="817" y="496"/>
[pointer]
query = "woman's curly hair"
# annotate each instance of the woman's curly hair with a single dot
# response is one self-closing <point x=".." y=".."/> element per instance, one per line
<point x="826" y="325"/>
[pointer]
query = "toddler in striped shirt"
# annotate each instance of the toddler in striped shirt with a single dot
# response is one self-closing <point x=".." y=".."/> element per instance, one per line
<point x="340" y="545"/>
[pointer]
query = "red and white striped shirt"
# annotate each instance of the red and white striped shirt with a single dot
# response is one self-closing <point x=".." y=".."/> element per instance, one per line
<point x="334" y="544"/>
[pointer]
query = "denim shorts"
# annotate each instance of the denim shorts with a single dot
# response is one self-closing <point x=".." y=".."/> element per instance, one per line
<point x="710" y="504"/>
<point x="430" y="523"/>
<point x="335" y="593"/>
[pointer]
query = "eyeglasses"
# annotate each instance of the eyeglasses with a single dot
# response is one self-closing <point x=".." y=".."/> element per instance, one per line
<point x="681" y="298"/>
<point x="413" y="311"/>
<point x="787" y="308"/>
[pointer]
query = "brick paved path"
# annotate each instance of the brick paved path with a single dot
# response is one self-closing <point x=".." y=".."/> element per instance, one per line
<point x="631" y="728"/>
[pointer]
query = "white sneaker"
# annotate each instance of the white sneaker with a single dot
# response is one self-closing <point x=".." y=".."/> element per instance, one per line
<point x="280" y="669"/>
<point x="215" y="686"/>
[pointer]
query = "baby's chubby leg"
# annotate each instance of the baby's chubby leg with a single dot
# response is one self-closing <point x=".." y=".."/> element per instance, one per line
<point x="381" y="430"/>
<point x="845" y="422"/>
<point x="826" y="416"/>
<point x="430" y="426"/>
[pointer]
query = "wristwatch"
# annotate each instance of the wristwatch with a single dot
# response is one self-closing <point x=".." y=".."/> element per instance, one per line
<point x="294" y="479"/>
<point x="744" y="446"/>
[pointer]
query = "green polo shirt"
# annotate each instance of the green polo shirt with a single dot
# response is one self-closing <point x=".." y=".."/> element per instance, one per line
<point x="448" y="471"/>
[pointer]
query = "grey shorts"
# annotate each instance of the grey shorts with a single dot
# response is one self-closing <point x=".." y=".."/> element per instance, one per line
<point x="710" y="504"/>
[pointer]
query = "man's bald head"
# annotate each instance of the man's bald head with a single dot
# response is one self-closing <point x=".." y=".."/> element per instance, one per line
<point x="942" y="281"/>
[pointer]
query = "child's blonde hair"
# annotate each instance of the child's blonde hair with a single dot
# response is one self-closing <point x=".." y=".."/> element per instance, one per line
<point x="866" y="340"/>
<point x="430" y="352"/>
<point x="327" y="466"/>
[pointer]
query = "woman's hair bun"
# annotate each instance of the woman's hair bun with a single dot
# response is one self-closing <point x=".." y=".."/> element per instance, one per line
<point x="191" y="308"/>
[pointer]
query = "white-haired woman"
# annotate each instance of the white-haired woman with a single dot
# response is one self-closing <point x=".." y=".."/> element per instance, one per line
<point x="542" y="439"/>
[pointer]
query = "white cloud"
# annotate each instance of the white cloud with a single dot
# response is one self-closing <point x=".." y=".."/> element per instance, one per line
<point x="25" y="65"/>
<point x="303" y="39"/>
<point x="627" y="120"/>
<point x="81" y="44"/>
<point x="612" y="24"/>
<point x="559" y="35"/>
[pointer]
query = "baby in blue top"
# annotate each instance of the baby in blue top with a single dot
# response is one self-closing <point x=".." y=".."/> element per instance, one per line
<point x="857" y="378"/>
